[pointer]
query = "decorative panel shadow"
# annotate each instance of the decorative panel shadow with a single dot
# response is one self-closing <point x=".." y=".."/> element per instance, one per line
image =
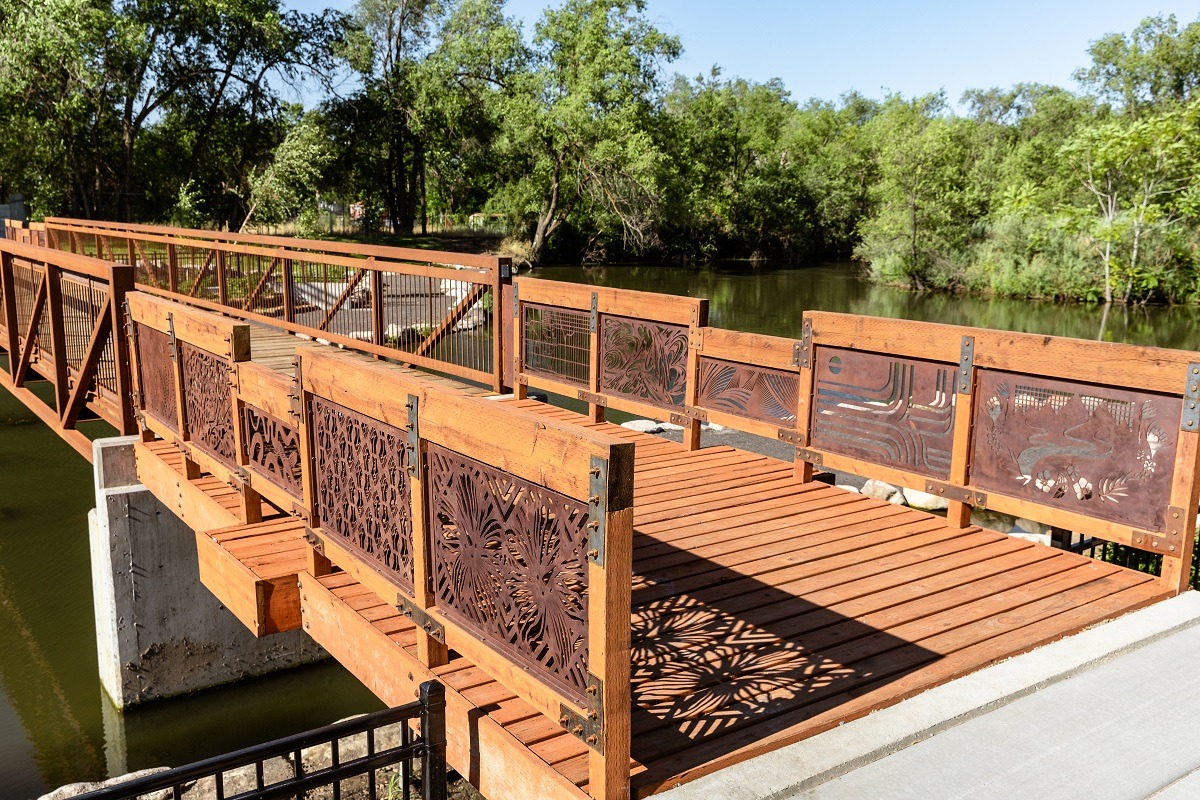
<point x="1104" y="452"/>
<point x="156" y="375"/>
<point x="556" y="343"/>
<point x="207" y="403"/>
<point x="896" y="412"/>
<point x="643" y="360"/>
<point x="508" y="560"/>
<point x="758" y="393"/>
<point x="273" y="449"/>
<point x="361" y="482"/>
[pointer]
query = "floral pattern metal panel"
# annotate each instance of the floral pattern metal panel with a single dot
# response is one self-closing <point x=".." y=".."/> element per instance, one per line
<point x="556" y="343"/>
<point x="156" y="375"/>
<point x="508" y="561"/>
<point x="1107" y="453"/>
<point x="895" y="412"/>
<point x="643" y="360"/>
<point x="758" y="393"/>
<point x="273" y="449"/>
<point x="361" y="484"/>
<point x="207" y="402"/>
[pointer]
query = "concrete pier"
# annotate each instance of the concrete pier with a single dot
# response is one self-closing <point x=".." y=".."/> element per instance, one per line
<point x="159" y="631"/>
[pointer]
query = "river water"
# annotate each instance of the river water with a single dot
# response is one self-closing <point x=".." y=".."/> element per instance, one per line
<point x="56" y="726"/>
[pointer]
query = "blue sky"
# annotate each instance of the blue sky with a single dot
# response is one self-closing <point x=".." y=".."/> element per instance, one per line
<point x="822" y="49"/>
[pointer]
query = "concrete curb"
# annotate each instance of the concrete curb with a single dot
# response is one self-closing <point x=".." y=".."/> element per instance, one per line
<point x="801" y="766"/>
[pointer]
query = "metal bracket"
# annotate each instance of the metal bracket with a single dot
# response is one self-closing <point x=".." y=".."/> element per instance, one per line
<point x="414" y="436"/>
<point x="791" y="436"/>
<point x="171" y="335"/>
<point x="802" y="350"/>
<point x="597" y="509"/>
<point x="588" y="727"/>
<point x="961" y="494"/>
<point x="966" y="364"/>
<point x="696" y="338"/>
<point x="1191" y="400"/>
<point x="593" y="319"/>
<point x="506" y="271"/>
<point x="688" y="413"/>
<point x="295" y="396"/>
<point x="516" y="301"/>
<point x="313" y="540"/>
<point x="1168" y="542"/>
<point x="811" y="456"/>
<point x="301" y="513"/>
<point x="591" y="397"/>
<point x="417" y="614"/>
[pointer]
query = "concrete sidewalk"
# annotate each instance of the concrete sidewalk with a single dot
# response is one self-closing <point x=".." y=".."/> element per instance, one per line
<point x="1111" y="712"/>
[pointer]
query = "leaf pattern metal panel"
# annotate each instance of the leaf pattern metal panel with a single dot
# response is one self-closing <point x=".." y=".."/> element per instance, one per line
<point x="1104" y="452"/>
<point x="896" y="412"/>
<point x="156" y="375"/>
<point x="273" y="449"/>
<point x="556" y="343"/>
<point x="207" y="402"/>
<point x="508" y="561"/>
<point x="361" y="482"/>
<point x="758" y="393"/>
<point x="643" y="360"/>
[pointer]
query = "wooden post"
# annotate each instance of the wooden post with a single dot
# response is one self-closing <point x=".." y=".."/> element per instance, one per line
<point x="501" y="277"/>
<point x="377" y="301"/>
<point x="58" y="337"/>
<point x="958" y="514"/>
<point x="120" y="283"/>
<point x="289" y="288"/>
<point x="520" y="390"/>
<point x="172" y="268"/>
<point x="803" y="470"/>
<point x="430" y="651"/>
<point x="609" y="632"/>
<point x="8" y="290"/>
<point x="222" y="286"/>
<point x="1185" y="498"/>
<point x="595" y="410"/>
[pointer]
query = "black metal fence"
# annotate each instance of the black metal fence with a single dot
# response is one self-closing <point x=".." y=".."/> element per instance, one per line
<point x="428" y="750"/>
<point x="1113" y="553"/>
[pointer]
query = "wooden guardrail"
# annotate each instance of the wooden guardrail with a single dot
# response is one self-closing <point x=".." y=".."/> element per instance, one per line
<point x="58" y="316"/>
<point x="427" y="308"/>
<point x="505" y="536"/>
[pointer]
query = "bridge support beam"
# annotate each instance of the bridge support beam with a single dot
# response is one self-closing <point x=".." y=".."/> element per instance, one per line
<point x="159" y="631"/>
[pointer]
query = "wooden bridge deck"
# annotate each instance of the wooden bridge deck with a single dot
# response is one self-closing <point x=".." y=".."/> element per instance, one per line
<point x="765" y="610"/>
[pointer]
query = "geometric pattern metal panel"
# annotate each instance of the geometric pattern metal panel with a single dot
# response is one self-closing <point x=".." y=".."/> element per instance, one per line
<point x="1103" y="452"/>
<point x="207" y="403"/>
<point x="509" y="562"/>
<point x="758" y="393"/>
<point x="643" y="360"/>
<point x="156" y="375"/>
<point x="895" y="412"/>
<point x="273" y="449"/>
<point x="363" y="494"/>
<point x="556" y="343"/>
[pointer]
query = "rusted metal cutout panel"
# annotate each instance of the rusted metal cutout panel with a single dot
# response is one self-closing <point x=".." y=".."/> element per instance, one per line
<point x="156" y="375"/>
<point x="273" y="449"/>
<point x="207" y="403"/>
<point x="758" y="393"/>
<point x="643" y="360"/>
<point x="555" y="343"/>
<point x="361" y="482"/>
<point x="509" y="562"/>
<point x="896" y="412"/>
<point x="1103" y="452"/>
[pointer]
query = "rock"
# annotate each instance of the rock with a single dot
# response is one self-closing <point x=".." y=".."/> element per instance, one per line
<point x="669" y="426"/>
<point x="714" y="427"/>
<point x="643" y="425"/>
<point x="1023" y="525"/>
<point x="1039" y="538"/>
<point x="924" y="500"/>
<point x="76" y="789"/>
<point x="898" y="499"/>
<point x="992" y="520"/>
<point x="878" y="489"/>
<point x="846" y="487"/>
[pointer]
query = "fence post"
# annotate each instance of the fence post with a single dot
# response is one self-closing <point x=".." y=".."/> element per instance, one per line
<point x="58" y="337"/>
<point x="377" y="302"/>
<point x="120" y="282"/>
<point x="172" y="268"/>
<point x="222" y="286"/>
<point x="433" y="734"/>
<point x="289" y="287"/>
<point x="8" y="291"/>
<point x="501" y="287"/>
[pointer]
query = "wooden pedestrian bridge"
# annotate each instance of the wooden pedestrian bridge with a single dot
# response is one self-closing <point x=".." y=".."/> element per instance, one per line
<point x="612" y="613"/>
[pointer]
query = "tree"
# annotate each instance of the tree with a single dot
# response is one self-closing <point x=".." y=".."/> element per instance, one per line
<point x="288" y="185"/>
<point x="1157" y="63"/>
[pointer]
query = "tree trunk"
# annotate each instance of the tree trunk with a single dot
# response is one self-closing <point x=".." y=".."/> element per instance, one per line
<point x="547" y="221"/>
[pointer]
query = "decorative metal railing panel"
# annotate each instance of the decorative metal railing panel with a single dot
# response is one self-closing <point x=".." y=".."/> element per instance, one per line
<point x="757" y="393"/>
<point x="509" y="562"/>
<point x="644" y="360"/>
<point x="273" y="450"/>
<point x="1103" y="452"/>
<point x="207" y="403"/>
<point x="361" y="483"/>
<point x="556" y="343"/>
<point x="156" y="375"/>
<point x="896" y="412"/>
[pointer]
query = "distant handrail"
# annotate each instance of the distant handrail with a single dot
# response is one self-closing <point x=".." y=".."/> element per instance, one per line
<point x="430" y="748"/>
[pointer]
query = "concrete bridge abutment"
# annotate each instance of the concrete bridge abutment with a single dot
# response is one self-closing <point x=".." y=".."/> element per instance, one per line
<point x="159" y="631"/>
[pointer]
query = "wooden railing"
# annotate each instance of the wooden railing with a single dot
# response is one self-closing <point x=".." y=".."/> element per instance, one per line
<point x="505" y="536"/>
<point x="426" y="308"/>
<point x="58" y="315"/>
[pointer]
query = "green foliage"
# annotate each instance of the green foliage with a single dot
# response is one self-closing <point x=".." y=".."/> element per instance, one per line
<point x="286" y="186"/>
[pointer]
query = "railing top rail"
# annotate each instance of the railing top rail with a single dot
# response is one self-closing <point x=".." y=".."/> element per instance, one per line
<point x="758" y="349"/>
<point x="382" y="252"/>
<point x="670" y="309"/>
<point x="212" y="332"/>
<point x="1113" y="364"/>
<point x="81" y="265"/>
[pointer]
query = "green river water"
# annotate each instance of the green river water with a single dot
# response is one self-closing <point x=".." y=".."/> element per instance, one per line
<point x="56" y="726"/>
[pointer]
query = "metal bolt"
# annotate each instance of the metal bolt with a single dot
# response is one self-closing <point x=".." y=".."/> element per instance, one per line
<point x="594" y="499"/>
<point x="577" y="730"/>
<point x="595" y="471"/>
<point x="591" y="689"/>
<point x="564" y="720"/>
<point x="594" y="525"/>
<point x="591" y="739"/>
<point x="593" y="554"/>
